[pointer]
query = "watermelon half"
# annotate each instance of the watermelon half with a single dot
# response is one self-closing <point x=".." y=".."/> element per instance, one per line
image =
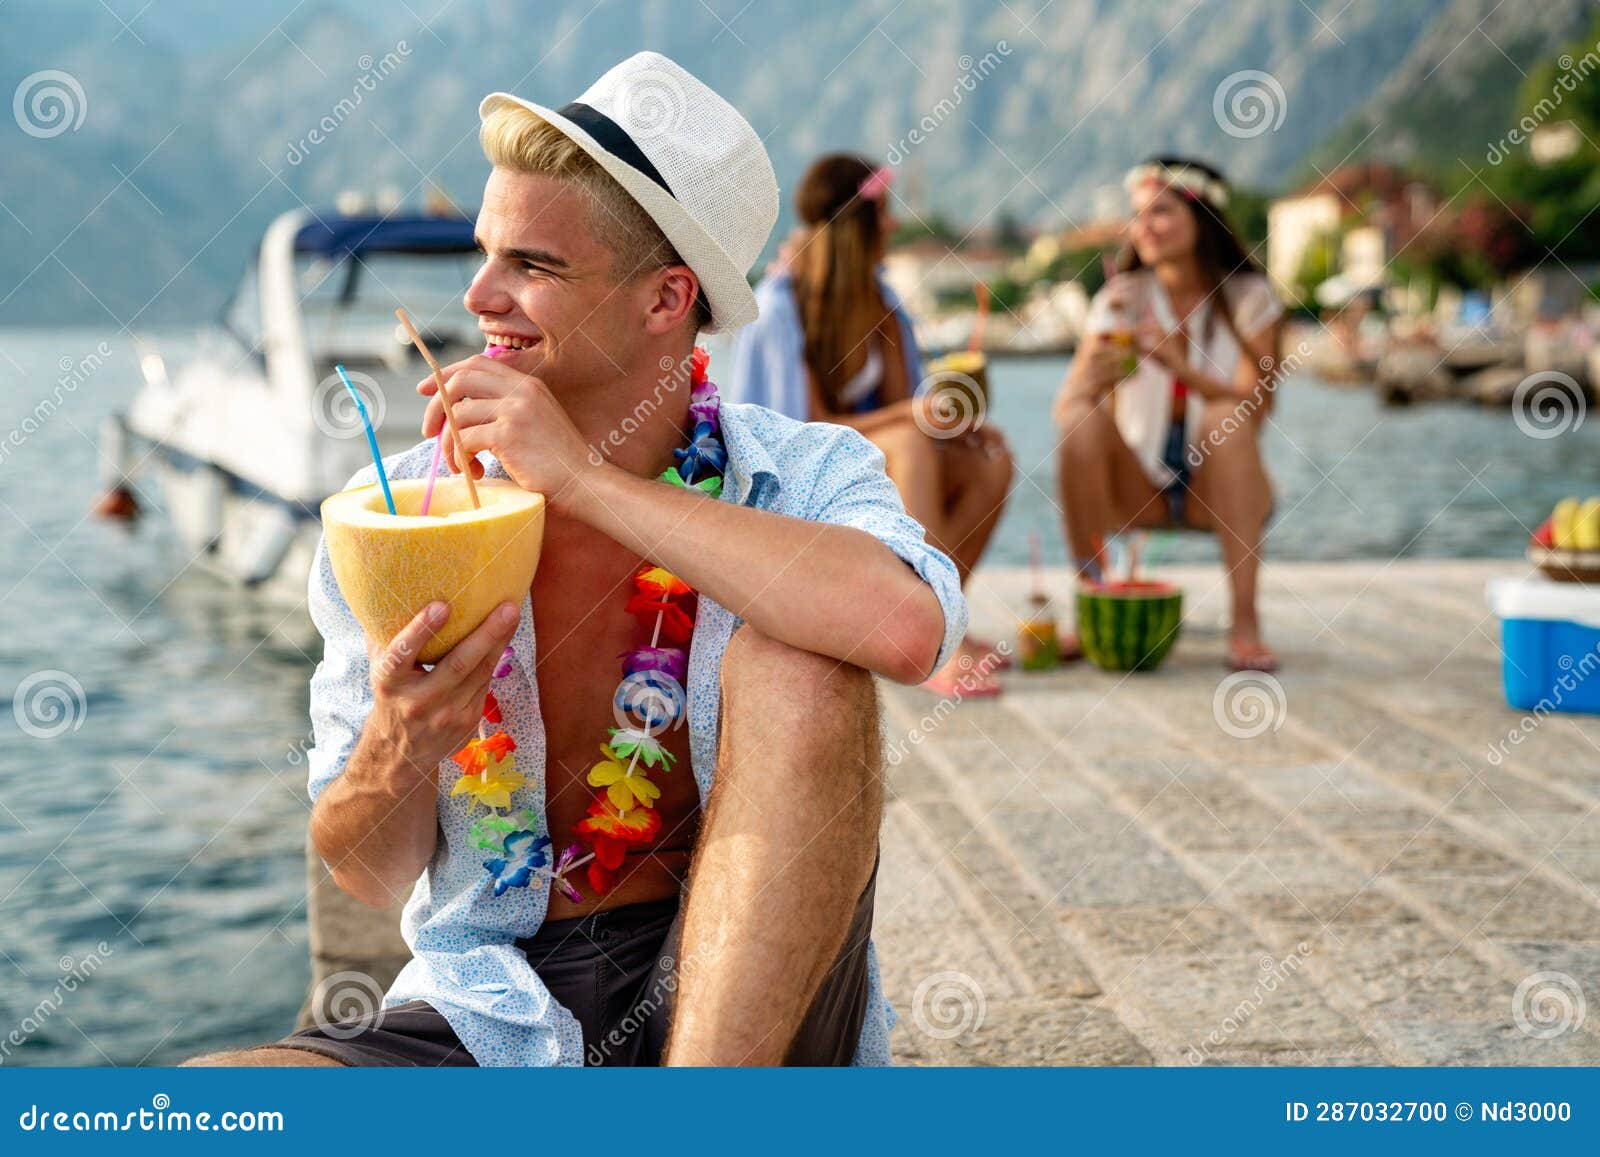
<point x="1128" y="626"/>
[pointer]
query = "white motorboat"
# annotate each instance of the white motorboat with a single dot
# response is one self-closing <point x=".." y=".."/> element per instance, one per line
<point x="248" y="430"/>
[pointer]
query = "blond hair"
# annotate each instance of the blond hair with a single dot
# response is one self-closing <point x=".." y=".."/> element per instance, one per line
<point x="517" y="139"/>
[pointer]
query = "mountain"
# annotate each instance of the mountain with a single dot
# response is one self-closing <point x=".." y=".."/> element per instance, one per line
<point x="1454" y="94"/>
<point x="193" y="140"/>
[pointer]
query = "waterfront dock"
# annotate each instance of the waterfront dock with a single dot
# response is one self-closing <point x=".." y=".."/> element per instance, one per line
<point x="1331" y="868"/>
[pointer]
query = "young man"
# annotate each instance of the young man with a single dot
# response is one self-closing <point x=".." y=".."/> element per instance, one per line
<point x="613" y="230"/>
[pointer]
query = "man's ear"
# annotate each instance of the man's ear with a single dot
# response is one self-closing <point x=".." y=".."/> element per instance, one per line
<point x="674" y="289"/>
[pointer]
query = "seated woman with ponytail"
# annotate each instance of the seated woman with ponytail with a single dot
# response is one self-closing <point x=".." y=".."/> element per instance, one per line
<point x="833" y="344"/>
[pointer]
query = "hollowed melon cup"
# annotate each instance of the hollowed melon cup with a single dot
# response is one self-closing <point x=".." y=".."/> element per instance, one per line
<point x="390" y="566"/>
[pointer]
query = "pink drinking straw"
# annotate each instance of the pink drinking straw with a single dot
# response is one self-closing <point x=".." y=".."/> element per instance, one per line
<point x="433" y="473"/>
<point x="493" y="351"/>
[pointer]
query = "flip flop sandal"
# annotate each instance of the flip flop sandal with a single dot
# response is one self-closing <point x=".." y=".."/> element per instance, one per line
<point x="1255" y="659"/>
<point x="947" y="687"/>
<point x="985" y="647"/>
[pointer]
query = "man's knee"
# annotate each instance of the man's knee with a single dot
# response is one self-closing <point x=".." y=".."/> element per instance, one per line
<point x="274" y="1058"/>
<point x="806" y="698"/>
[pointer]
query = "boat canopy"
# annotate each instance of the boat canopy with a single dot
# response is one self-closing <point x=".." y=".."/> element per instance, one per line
<point x="338" y="236"/>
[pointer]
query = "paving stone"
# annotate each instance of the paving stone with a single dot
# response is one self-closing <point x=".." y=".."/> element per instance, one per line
<point x="1577" y="963"/>
<point x="1239" y="1001"/>
<point x="1434" y="1041"/>
<point x="1348" y="724"/>
<point x="1409" y="969"/>
<point x="1432" y="852"/>
<point x="1284" y="866"/>
<point x="1204" y="929"/>
<point x="1053" y="1032"/>
<point x="1362" y="1056"/>
<point x="992" y="776"/>
<point x="1018" y="919"/>
<point x="1124" y="868"/>
<point x="1530" y="909"/>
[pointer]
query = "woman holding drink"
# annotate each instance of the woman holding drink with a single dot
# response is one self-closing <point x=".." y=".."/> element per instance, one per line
<point x="1161" y="412"/>
<point x="833" y="344"/>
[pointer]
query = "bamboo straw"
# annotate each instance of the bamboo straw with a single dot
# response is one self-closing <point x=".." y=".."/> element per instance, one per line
<point x="975" y="342"/>
<point x="444" y="400"/>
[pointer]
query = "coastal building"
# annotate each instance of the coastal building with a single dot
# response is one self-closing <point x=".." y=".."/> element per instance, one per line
<point x="1360" y="215"/>
<point x="930" y="274"/>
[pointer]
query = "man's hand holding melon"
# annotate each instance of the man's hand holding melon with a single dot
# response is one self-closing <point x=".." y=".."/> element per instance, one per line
<point x="418" y="719"/>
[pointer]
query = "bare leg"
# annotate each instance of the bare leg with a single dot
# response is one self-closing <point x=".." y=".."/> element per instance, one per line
<point x="977" y="484"/>
<point x="1103" y="489"/>
<point x="263" y="1058"/>
<point x="911" y="460"/>
<point x="1231" y="495"/>
<point x="789" y="840"/>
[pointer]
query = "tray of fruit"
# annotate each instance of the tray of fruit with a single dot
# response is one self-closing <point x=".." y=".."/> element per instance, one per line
<point x="1566" y="547"/>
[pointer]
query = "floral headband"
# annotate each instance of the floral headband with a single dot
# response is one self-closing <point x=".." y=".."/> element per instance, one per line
<point x="1190" y="181"/>
<point x="875" y="186"/>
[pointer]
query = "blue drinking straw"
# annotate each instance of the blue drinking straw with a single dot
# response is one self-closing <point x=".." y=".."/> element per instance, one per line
<point x="372" y="437"/>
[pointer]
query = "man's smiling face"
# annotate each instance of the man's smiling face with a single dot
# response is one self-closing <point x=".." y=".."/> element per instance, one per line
<point x="550" y="284"/>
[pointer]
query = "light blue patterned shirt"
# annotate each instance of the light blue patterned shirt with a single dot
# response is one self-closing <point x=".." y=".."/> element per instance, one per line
<point x="465" y="962"/>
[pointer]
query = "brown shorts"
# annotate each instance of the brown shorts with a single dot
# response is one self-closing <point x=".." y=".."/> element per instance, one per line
<point x="617" y="971"/>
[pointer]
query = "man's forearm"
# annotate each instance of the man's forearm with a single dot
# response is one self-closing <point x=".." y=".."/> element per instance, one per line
<point x="829" y="589"/>
<point x="377" y="824"/>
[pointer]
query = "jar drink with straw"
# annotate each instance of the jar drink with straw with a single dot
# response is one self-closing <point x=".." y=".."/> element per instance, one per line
<point x="1120" y="332"/>
<point x="1038" y="644"/>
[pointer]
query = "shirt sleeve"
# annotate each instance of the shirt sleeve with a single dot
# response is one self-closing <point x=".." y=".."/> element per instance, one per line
<point x="341" y="695"/>
<point x="853" y="490"/>
<point x="1098" y="318"/>
<point x="1257" y="308"/>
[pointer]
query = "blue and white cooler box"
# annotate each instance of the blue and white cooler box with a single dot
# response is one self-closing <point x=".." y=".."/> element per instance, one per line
<point x="1550" y="636"/>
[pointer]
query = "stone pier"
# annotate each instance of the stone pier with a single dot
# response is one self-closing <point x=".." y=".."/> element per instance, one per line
<point x="1348" y="863"/>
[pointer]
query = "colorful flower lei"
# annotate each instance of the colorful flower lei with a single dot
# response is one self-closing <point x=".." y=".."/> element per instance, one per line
<point x="649" y="701"/>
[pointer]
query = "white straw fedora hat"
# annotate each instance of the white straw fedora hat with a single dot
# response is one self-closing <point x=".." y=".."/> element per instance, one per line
<point x="688" y="157"/>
